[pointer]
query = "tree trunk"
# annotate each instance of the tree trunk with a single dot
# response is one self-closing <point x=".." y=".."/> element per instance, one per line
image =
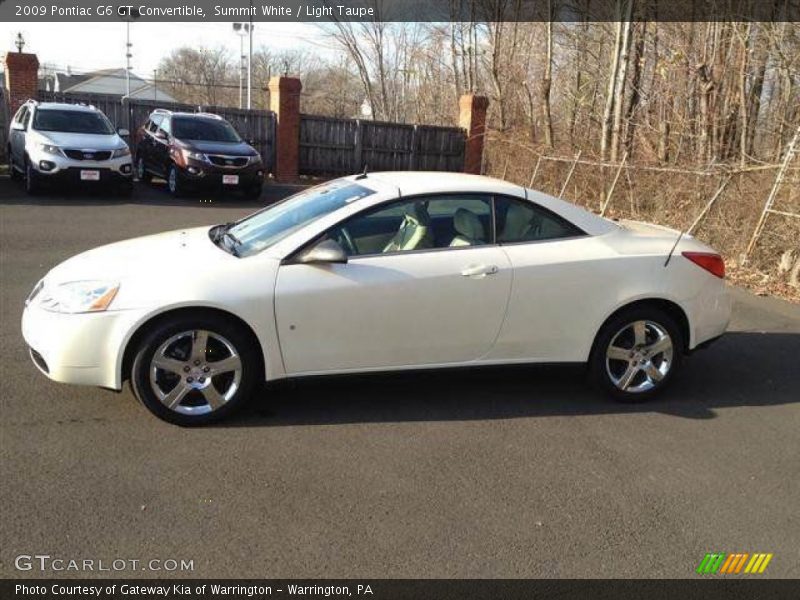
<point x="547" y="81"/>
<point x="608" y="111"/>
<point x="622" y="74"/>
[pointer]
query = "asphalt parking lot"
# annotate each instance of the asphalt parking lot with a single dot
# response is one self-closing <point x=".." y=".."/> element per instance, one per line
<point x="521" y="472"/>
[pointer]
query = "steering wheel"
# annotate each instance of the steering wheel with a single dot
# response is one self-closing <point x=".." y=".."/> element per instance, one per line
<point x="348" y="241"/>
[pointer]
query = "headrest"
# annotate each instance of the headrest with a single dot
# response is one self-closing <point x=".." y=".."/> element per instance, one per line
<point x="468" y="224"/>
<point x="518" y="221"/>
<point x="417" y="212"/>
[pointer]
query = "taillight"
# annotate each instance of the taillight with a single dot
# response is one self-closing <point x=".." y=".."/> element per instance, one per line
<point x="709" y="261"/>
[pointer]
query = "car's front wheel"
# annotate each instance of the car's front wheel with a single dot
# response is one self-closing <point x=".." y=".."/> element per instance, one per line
<point x="253" y="192"/>
<point x="12" y="171"/>
<point x="175" y="182"/>
<point x="195" y="370"/>
<point x="636" y="354"/>
<point x="32" y="184"/>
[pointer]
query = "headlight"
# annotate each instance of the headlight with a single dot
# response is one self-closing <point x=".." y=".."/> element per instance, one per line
<point x="51" y="149"/>
<point x="79" y="296"/>
<point x="255" y="159"/>
<point x="187" y="154"/>
<point x="124" y="151"/>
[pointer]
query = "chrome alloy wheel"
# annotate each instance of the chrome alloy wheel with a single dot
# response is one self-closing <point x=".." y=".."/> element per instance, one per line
<point x="639" y="356"/>
<point x="195" y="372"/>
<point x="172" y="180"/>
<point x="140" y="169"/>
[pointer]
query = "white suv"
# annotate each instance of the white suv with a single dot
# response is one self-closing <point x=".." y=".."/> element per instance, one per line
<point x="51" y="142"/>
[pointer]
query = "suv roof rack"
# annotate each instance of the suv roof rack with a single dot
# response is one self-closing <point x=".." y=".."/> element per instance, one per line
<point x="202" y="113"/>
<point x="162" y="111"/>
<point x="31" y="101"/>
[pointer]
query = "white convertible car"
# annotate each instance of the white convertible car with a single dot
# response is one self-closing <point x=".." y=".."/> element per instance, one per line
<point x="377" y="272"/>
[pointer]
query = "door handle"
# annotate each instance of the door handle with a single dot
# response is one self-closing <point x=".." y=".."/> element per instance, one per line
<point x="479" y="270"/>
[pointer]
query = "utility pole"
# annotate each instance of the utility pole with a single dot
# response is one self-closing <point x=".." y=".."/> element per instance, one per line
<point x="128" y="56"/>
<point x="250" y="61"/>
<point x="241" y="30"/>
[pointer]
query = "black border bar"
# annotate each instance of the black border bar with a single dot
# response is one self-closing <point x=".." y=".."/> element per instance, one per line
<point x="733" y="588"/>
<point x="327" y="11"/>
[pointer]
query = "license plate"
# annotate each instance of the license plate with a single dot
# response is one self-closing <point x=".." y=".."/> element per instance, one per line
<point x="230" y="179"/>
<point x="90" y="175"/>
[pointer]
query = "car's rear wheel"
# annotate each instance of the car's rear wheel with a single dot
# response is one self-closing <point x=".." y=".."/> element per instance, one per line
<point x="636" y="354"/>
<point x="194" y="371"/>
<point x="142" y="174"/>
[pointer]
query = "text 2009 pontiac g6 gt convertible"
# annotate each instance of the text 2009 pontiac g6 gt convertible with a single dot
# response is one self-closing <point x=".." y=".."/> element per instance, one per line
<point x="380" y="272"/>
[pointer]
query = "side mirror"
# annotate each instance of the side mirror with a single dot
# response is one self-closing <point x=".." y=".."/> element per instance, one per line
<point x="18" y="126"/>
<point x="123" y="132"/>
<point x="162" y="135"/>
<point x="326" y="252"/>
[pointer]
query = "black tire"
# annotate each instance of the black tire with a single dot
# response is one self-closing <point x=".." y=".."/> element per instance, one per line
<point x="194" y="408"/>
<point x="175" y="183"/>
<point x="125" y="189"/>
<point x="142" y="174"/>
<point x="32" y="184"/>
<point x="253" y="192"/>
<point x="12" y="172"/>
<point x="637" y="369"/>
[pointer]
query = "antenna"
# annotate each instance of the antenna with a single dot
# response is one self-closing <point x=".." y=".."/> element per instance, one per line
<point x="675" y="245"/>
<point x="363" y="174"/>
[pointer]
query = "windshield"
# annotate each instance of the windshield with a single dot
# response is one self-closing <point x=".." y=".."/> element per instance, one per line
<point x="71" y="121"/>
<point x="204" y="130"/>
<point x="271" y="225"/>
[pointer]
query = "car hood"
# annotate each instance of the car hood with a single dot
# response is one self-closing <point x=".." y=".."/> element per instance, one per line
<point x="81" y="141"/>
<point x="233" y="149"/>
<point x="173" y="254"/>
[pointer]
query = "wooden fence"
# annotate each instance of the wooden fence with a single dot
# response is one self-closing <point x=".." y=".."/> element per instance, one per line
<point x="255" y="126"/>
<point x="331" y="146"/>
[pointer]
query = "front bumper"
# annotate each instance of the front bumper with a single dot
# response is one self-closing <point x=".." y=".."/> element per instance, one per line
<point x="61" y="169"/>
<point x="200" y="174"/>
<point x="84" y="348"/>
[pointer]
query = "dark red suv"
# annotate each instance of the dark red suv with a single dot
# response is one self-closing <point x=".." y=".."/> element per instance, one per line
<point x="195" y="151"/>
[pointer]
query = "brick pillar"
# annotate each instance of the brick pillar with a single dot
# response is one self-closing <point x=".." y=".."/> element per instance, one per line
<point x="284" y="101"/>
<point x="472" y="117"/>
<point x="22" y="78"/>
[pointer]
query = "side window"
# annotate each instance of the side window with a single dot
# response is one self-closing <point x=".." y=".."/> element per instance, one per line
<point x="419" y="223"/>
<point x="26" y="118"/>
<point x="519" y="221"/>
<point x="155" y="120"/>
<point x="20" y="113"/>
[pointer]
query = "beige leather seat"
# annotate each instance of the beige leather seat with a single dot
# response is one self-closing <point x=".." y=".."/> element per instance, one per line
<point x="521" y="224"/>
<point x="469" y="229"/>
<point x="415" y="230"/>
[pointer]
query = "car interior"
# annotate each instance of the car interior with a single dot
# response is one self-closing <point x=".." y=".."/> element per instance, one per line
<point x="448" y="221"/>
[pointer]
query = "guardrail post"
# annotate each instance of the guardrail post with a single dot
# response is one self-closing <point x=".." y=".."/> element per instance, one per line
<point x="22" y="79"/>
<point x="284" y="101"/>
<point x="472" y="118"/>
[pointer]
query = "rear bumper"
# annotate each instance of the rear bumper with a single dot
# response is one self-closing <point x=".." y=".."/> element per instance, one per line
<point x="709" y="314"/>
